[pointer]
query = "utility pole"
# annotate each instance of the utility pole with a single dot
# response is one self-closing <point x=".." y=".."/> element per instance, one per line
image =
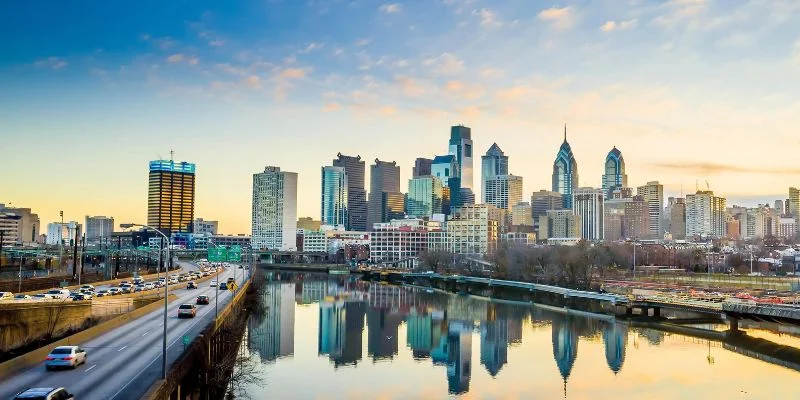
<point x="2" y="233"/>
<point x="61" y="241"/>
<point x="75" y="254"/>
<point x="83" y="254"/>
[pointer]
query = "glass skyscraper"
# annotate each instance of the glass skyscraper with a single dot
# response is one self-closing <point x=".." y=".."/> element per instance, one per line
<point x="461" y="188"/>
<point x="493" y="164"/>
<point x="424" y="196"/>
<point x="170" y="198"/>
<point x="565" y="172"/>
<point x="385" y="200"/>
<point x="614" y="176"/>
<point x="334" y="196"/>
<point x="356" y="194"/>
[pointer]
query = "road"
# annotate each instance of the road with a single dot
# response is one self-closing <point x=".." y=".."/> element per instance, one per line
<point x="123" y="363"/>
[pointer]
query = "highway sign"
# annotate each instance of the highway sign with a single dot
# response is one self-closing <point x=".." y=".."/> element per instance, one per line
<point x="185" y="340"/>
<point x="217" y="254"/>
<point x="235" y="254"/>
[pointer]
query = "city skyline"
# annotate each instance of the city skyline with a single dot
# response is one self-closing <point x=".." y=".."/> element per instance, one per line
<point x="232" y="90"/>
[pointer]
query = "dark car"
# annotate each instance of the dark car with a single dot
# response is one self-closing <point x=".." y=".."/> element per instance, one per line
<point x="44" y="394"/>
<point x="191" y="285"/>
<point x="202" y="300"/>
<point x="223" y="286"/>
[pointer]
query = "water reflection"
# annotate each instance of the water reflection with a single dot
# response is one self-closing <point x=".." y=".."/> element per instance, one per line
<point x="438" y="328"/>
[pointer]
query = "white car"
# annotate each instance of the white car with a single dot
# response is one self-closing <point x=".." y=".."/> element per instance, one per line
<point x="58" y="294"/>
<point x="213" y="283"/>
<point x="6" y="296"/>
<point x="149" y="286"/>
<point x="65" y="356"/>
<point x="89" y="288"/>
<point x="22" y="297"/>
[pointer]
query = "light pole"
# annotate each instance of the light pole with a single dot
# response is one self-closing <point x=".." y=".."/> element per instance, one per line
<point x="166" y="300"/>
<point x="216" y="287"/>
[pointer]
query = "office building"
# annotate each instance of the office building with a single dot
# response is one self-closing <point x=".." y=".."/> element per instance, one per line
<point x="446" y="169"/>
<point x="502" y="191"/>
<point x="422" y="167"/>
<point x="521" y="214"/>
<point x="614" y="176"/>
<point x="460" y="146"/>
<point x="354" y="167"/>
<point x="544" y="201"/>
<point x="636" y="223"/>
<point x="793" y="203"/>
<point x="99" y="229"/>
<point x="311" y="241"/>
<point x="779" y="207"/>
<point x="62" y="233"/>
<point x="614" y="219"/>
<point x="28" y="230"/>
<point x="565" y="172"/>
<point x="787" y="228"/>
<point x="559" y="224"/>
<point x="677" y="219"/>
<point x="401" y="241"/>
<point x="240" y="240"/>
<point x="334" y="196"/>
<point x="9" y="228"/>
<point x="274" y="210"/>
<point x="705" y="215"/>
<point x="622" y="193"/>
<point x="308" y="223"/>
<point x="170" y="202"/>
<point x="385" y="199"/>
<point x="587" y="203"/>
<point x="471" y="231"/>
<point x="653" y="194"/>
<point x="203" y="227"/>
<point x="424" y="196"/>
<point x="493" y="164"/>
<point x="272" y="334"/>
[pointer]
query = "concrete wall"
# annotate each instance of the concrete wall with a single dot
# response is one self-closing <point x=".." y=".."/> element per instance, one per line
<point x="21" y="324"/>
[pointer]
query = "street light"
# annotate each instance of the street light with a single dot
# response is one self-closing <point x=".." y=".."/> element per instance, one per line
<point x="166" y="292"/>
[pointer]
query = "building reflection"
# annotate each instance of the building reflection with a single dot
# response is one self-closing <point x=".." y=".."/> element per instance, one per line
<point x="341" y="327"/>
<point x="565" y="346"/>
<point x="271" y="334"/>
<point x="494" y="342"/>
<point x="615" y="339"/>
<point x="459" y="356"/>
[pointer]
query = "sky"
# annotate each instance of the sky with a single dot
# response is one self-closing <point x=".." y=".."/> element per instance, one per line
<point x="695" y="93"/>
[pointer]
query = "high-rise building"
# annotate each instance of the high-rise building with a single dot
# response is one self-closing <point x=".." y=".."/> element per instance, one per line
<point x="621" y="193"/>
<point x="677" y="219"/>
<point x="170" y="201"/>
<point x="705" y="215"/>
<point x="462" y="192"/>
<point x="793" y="204"/>
<point x="559" y="224"/>
<point x="565" y="172"/>
<point x="636" y="223"/>
<point x="334" y="196"/>
<point x="99" y="229"/>
<point x="779" y="206"/>
<point x="614" y="176"/>
<point x="446" y="169"/>
<point x="502" y="191"/>
<point x="587" y="203"/>
<point x="29" y="227"/>
<point x="614" y="218"/>
<point x="521" y="214"/>
<point x="384" y="190"/>
<point x="493" y="164"/>
<point x="9" y="228"/>
<point x="653" y="194"/>
<point x="544" y="201"/>
<point x="204" y="227"/>
<point x="58" y="232"/>
<point x="354" y="167"/>
<point x="422" y="167"/>
<point x="424" y="196"/>
<point x="274" y="210"/>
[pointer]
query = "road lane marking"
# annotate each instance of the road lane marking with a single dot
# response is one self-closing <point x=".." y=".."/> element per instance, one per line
<point x="145" y="333"/>
<point x="90" y="368"/>
<point x="122" y="348"/>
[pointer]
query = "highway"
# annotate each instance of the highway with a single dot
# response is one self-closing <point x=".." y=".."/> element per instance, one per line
<point x="124" y="363"/>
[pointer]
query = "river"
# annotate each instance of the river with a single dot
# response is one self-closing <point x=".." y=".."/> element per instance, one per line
<point x="337" y="337"/>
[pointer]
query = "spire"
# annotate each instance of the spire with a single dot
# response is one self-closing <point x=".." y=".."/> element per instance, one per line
<point x="565" y="133"/>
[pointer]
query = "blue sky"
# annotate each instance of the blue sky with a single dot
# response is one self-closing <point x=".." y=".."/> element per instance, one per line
<point x="689" y="90"/>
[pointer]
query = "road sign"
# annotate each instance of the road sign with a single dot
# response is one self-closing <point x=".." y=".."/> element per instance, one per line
<point x="185" y="340"/>
<point x="217" y="254"/>
<point x="235" y="254"/>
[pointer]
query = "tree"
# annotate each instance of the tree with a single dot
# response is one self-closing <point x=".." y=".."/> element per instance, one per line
<point x="437" y="260"/>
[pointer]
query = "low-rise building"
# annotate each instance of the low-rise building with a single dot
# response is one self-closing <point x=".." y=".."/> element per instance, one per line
<point x="312" y="241"/>
<point x="559" y="224"/>
<point x="404" y="239"/>
<point x="471" y="231"/>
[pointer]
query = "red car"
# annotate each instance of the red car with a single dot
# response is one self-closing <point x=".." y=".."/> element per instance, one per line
<point x="202" y="300"/>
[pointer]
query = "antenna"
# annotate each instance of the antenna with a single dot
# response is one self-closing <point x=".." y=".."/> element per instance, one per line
<point x="708" y="187"/>
<point x="171" y="155"/>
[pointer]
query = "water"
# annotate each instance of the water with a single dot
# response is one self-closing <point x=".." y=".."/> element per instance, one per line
<point x="334" y="337"/>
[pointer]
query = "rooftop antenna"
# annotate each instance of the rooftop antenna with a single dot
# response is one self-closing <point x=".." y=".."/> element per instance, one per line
<point x="565" y="132"/>
<point x="171" y="155"/>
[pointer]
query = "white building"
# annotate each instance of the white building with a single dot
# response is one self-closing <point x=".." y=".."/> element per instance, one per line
<point x="404" y="239"/>
<point x="502" y="191"/>
<point x="313" y="241"/>
<point x="787" y="227"/>
<point x="274" y="209"/>
<point x="56" y="232"/>
<point x="587" y="203"/>
<point x="705" y="215"/>
<point x="9" y="226"/>
<point x="471" y="231"/>
<point x="201" y="226"/>
<point x="653" y="193"/>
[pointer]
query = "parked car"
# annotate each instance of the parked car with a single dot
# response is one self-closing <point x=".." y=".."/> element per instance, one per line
<point x="114" y="291"/>
<point x="6" y="296"/>
<point x="187" y="311"/>
<point x="44" y="394"/>
<point x="58" y="294"/>
<point x="22" y="297"/>
<point x="191" y="285"/>
<point x="65" y="356"/>
<point x="203" y="299"/>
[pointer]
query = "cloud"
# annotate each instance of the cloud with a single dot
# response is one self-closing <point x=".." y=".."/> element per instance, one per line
<point x="338" y="52"/>
<point x="676" y="12"/>
<point x="51" y="62"/>
<point x="362" y="42"/>
<point x="492" y="73"/>
<point x="389" y="8"/>
<point x="175" y="58"/>
<point x="445" y="64"/>
<point x="488" y="17"/>
<point x="311" y="47"/>
<point x="409" y="86"/>
<point x="710" y="168"/>
<point x="465" y="90"/>
<point x="292" y="73"/>
<point x="737" y="39"/>
<point x="401" y="63"/>
<point x="253" y="81"/>
<point x="233" y="70"/>
<point x="511" y="94"/>
<point x="178" y="57"/>
<point x="331" y="107"/>
<point x="216" y="43"/>
<point x="622" y="25"/>
<point x="559" y="18"/>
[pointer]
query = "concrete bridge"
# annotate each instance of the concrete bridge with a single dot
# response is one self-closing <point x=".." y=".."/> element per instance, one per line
<point x="732" y="310"/>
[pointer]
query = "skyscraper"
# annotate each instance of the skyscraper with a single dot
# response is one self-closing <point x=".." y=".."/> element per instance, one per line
<point x="99" y="228"/>
<point x="384" y="189"/>
<point x="446" y="169"/>
<point x="356" y="194"/>
<point x="461" y="190"/>
<point x="565" y="172"/>
<point x="424" y="196"/>
<point x="677" y="219"/>
<point x="334" y="196"/>
<point x="170" y="200"/>
<point x="543" y="201"/>
<point x="494" y="163"/>
<point x="653" y="194"/>
<point x="274" y="210"/>
<point x="636" y="222"/>
<point x="422" y="167"/>
<point x="614" y="176"/>
<point x="588" y="205"/>
<point x="705" y="215"/>
<point x="502" y="191"/>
